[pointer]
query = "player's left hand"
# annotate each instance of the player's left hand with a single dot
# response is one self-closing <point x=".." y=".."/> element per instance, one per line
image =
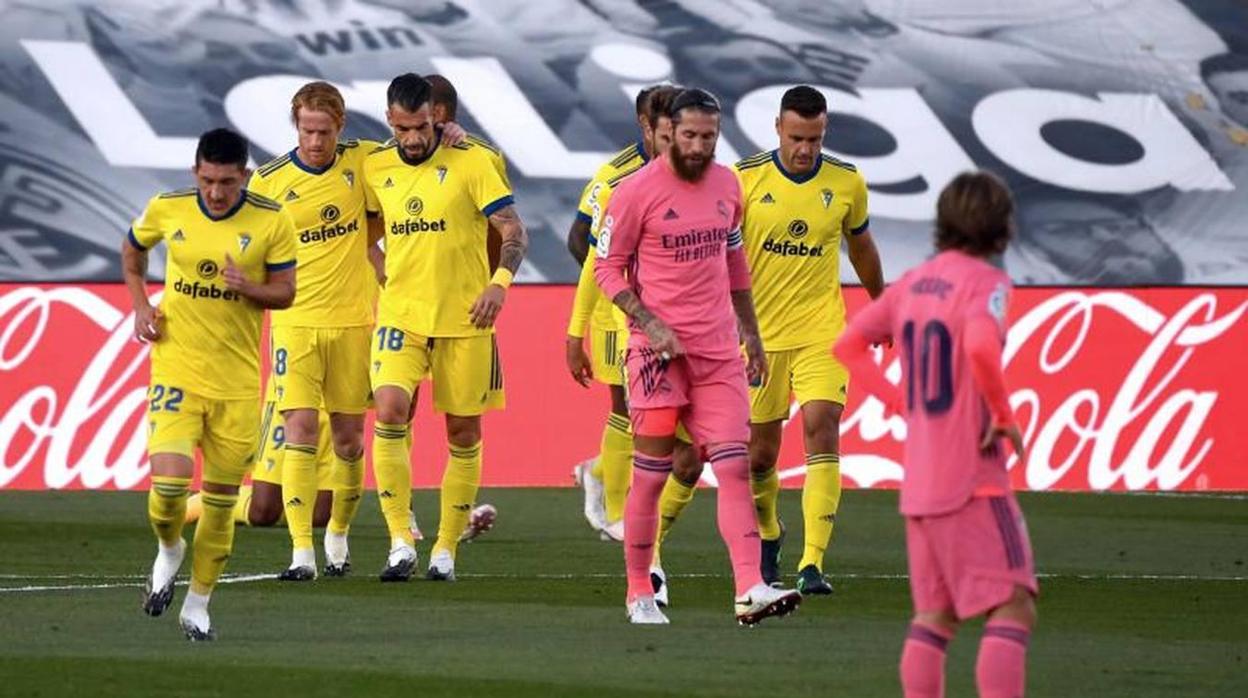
<point x="1011" y="433"/>
<point x="756" y="361"/>
<point x="487" y="306"/>
<point x="235" y="280"/>
<point x="453" y="133"/>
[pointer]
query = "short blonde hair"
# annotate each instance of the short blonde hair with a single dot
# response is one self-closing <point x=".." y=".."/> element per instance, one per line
<point x="319" y="96"/>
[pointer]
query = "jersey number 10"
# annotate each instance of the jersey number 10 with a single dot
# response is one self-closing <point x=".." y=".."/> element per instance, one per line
<point x="935" y="356"/>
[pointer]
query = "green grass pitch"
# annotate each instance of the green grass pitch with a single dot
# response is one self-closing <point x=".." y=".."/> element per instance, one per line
<point x="1141" y="596"/>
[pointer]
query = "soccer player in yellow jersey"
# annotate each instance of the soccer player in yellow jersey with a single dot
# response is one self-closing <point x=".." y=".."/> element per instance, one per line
<point x="437" y="311"/>
<point x="320" y="344"/>
<point x="606" y="479"/>
<point x="799" y="206"/>
<point x="231" y="255"/>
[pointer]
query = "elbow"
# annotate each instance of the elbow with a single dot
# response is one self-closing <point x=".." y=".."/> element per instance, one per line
<point x="286" y="298"/>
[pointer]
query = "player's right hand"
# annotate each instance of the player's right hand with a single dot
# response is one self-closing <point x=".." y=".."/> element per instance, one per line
<point x="578" y="362"/>
<point x="147" y="324"/>
<point x="1011" y="433"/>
<point x="663" y="340"/>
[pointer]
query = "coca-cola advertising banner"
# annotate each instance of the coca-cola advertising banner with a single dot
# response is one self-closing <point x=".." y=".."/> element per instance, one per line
<point x="1138" y="389"/>
<point x="1121" y="125"/>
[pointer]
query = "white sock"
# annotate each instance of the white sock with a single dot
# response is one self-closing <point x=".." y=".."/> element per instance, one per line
<point x="303" y="557"/>
<point x="168" y="561"/>
<point x="195" y="610"/>
<point x="335" y="547"/>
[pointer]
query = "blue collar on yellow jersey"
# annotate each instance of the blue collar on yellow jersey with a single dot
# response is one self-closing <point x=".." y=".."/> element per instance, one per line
<point x="796" y="178"/>
<point x="242" y="198"/>
<point x="294" y="157"/>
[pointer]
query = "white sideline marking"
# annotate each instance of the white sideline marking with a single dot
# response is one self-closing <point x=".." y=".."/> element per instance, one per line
<point x="244" y="578"/>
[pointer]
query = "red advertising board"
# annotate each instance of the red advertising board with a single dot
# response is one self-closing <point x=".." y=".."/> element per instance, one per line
<point x="1134" y="389"/>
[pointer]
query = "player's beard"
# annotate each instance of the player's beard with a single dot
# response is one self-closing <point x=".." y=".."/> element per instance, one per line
<point x="688" y="169"/>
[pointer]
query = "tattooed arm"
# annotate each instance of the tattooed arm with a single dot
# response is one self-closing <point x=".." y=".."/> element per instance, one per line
<point x="511" y="252"/>
<point x="662" y="338"/>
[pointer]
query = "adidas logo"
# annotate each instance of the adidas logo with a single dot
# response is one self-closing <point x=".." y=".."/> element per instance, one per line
<point x="767" y="199"/>
<point x="671" y="215"/>
<point x="830" y="518"/>
<point x="385" y="494"/>
<point x="178" y="236"/>
<point x="462" y="507"/>
<point x="294" y="502"/>
<point x="291" y="196"/>
<point x="389" y="183"/>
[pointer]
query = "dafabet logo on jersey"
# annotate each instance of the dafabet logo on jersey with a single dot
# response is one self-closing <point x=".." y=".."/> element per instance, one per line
<point x="415" y="207"/>
<point x="330" y="229"/>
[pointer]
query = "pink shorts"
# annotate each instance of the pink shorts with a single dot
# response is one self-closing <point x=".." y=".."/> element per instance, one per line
<point x="711" y="394"/>
<point x="971" y="559"/>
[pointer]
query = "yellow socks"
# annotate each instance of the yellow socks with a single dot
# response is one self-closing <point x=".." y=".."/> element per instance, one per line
<point x="766" y="489"/>
<point x="166" y="507"/>
<point x="299" y="492"/>
<point x="242" y="507"/>
<point x="348" y="488"/>
<point x="616" y="459"/>
<point x="821" y="496"/>
<point x="675" y="497"/>
<point x="393" y="468"/>
<point x="214" y="539"/>
<point x="459" y="494"/>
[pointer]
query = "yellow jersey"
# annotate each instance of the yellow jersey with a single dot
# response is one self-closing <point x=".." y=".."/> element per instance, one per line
<point x="792" y="226"/>
<point x="335" y="280"/>
<point x="589" y="303"/>
<point x="435" y="212"/>
<point x="210" y="342"/>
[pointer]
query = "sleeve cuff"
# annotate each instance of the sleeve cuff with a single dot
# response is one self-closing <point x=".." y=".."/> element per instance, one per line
<point x="593" y="242"/>
<point x="866" y="223"/>
<point x="279" y="266"/>
<point x="135" y="241"/>
<point x="584" y="217"/>
<point x="491" y="208"/>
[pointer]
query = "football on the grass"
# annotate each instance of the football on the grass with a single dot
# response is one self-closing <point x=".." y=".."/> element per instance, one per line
<point x="482" y="517"/>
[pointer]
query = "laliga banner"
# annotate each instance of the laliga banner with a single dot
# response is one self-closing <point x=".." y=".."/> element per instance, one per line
<point x="1121" y="125"/>
<point x="1115" y="389"/>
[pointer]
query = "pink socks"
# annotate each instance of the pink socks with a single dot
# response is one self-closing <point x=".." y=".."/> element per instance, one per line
<point x="641" y="520"/>
<point x="738" y="525"/>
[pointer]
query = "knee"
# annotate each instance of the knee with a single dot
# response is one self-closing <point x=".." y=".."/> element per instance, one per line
<point x="619" y="403"/>
<point x="1021" y="609"/>
<point x="263" y="513"/>
<point x="943" y="619"/>
<point x="392" y="406"/>
<point x="686" y="463"/>
<point x="821" y="428"/>
<point x="763" y="454"/>
<point x="301" y="426"/>
<point x="463" y="431"/>
<point x="349" y="442"/>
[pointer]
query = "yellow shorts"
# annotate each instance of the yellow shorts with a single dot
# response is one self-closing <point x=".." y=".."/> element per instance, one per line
<point x="607" y="354"/>
<point x="225" y="431"/>
<point x="268" y="467"/>
<point x="809" y="373"/>
<point x="466" y="372"/>
<point x="315" y="366"/>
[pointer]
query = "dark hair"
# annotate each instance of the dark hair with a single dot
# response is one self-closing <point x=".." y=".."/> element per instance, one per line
<point x="805" y="101"/>
<point x="973" y="214"/>
<point x="408" y="91"/>
<point x="643" y="100"/>
<point x="660" y="102"/>
<point x="441" y="91"/>
<point x="1223" y="63"/>
<point x="221" y="146"/>
<point x="693" y="98"/>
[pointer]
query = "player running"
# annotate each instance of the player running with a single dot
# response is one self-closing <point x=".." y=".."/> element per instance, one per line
<point x="967" y="541"/>
<point x="674" y="226"/>
<point x="320" y="344"/>
<point x="231" y="255"/>
<point x="799" y="205"/>
<point x="437" y="311"/>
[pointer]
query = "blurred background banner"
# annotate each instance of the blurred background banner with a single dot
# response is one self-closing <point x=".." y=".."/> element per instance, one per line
<point x="1115" y="390"/>
<point x="1120" y="124"/>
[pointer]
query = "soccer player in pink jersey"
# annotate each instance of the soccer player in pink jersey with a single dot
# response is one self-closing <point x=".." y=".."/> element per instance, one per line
<point x="670" y="255"/>
<point x="968" y="546"/>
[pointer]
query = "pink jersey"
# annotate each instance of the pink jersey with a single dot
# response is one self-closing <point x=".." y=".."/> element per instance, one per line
<point x="926" y="313"/>
<point x="677" y="245"/>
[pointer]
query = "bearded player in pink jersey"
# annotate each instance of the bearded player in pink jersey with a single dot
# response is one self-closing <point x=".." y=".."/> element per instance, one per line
<point x="670" y="256"/>
<point x="967" y="542"/>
